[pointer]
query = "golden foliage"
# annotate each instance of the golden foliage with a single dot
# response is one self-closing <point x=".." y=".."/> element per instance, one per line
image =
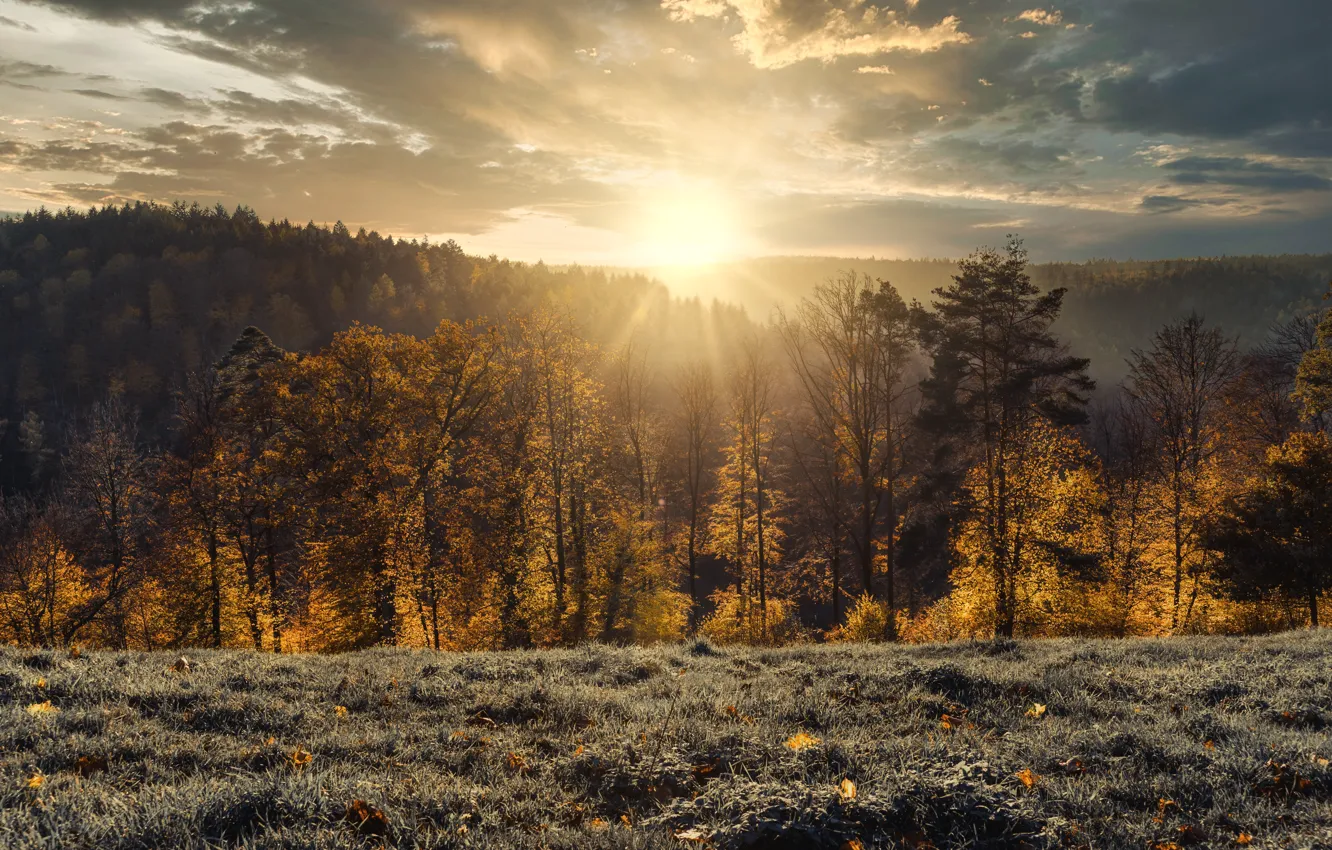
<point x="801" y="740"/>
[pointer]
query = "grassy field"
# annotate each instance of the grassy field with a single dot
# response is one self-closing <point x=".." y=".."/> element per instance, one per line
<point x="1205" y="742"/>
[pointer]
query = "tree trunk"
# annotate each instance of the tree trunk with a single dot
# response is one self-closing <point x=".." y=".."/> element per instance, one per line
<point x="215" y="589"/>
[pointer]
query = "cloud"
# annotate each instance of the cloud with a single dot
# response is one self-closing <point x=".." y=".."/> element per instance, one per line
<point x="1241" y="172"/>
<point x="1042" y="17"/>
<point x="929" y="120"/>
<point x="776" y="35"/>
<point x="1176" y="203"/>
<point x="20" y="25"/>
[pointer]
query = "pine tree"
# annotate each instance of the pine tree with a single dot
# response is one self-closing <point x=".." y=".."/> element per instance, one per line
<point x="996" y="371"/>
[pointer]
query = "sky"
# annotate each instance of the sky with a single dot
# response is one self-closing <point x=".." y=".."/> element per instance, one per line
<point x="653" y="132"/>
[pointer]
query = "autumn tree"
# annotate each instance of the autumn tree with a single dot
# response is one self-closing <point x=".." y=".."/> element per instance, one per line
<point x="248" y="466"/>
<point x="997" y="371"/>
<point x="742" y="527"/>
<point x="696" y="405"/>
<point x="1313" y="387"/>
<point x="1277" y="534"/>
<point x="450" y="387"/>
<point x="1179" y="387"/>
<point x="43" y="589"/>
<point x="1120" y="434"/>
<point x="108" y="478"/>
<point x="849" y="346"/>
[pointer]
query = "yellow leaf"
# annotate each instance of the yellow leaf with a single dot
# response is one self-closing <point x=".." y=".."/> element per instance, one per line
<point x="852" y="844"/>
<point x="579" y="751"/>
<point x="1211" y="745"/>
<point x="1027" y="778"/>
<point x="35" y="781"/>
<point x="340" y="711"/>
<point x="300" y="758"/>
<point x="42" y="708"/>
<point x="801" y="741"/>
<point x="1037" y="709"/>
<point x="41" y="683"/>
<point x="1244" y="838"/>
<point x="517" y="762"/>
<point x="598" y="824"/>
<point x="846" y="790"/>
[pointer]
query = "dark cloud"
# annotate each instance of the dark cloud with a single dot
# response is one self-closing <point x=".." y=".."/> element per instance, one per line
<point x="99" y="94"/>
<point x="1176" y="203"/>
<point x="1243" y="173"/>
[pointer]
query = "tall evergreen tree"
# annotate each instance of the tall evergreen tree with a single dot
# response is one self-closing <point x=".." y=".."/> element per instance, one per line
<point x="996" y="370"/>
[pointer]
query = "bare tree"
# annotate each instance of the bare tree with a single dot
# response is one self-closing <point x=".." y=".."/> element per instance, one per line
<point x="697" y="396"/>
<point x="108" y="478"/>
<point x="1179" y="386"/>
<point x="849" y="347"/>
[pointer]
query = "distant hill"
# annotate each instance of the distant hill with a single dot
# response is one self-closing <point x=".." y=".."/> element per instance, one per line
<point x="1111" y="307"/>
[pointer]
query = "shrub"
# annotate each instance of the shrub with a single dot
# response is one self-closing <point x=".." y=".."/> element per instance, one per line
<point x="661" y="616"/>
<point x="738" y="620"/>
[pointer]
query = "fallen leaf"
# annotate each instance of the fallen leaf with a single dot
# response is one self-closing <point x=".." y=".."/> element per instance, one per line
<point x="846" y="790"/>
<point x="1244" y="838"/>
<point x="1191" y="834"/>
<point x="1209" y="744"/>
<point x="88" y="765"/>
<point x="801" y="741"/>
<point x="694" y="836"/>
<point x="40" y="683"/>
<point x="852" y="844"/>
<point x="517" y="762"/>
<point x="299" y="758"/>
<point x="38" y="708"/>
<point x="340" y="711"/>
<point x="1037" y="710"/>
<point x="366" y="819"/>
<point x="598" y="824"/>
<point x="35" y="781"/>
<point x="1027" y="778"/>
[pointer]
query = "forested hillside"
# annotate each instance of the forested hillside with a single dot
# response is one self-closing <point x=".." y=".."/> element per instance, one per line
<point x="129" y="300"/>
<point x="224" y="432"/>
<point x="1111" y="308"/>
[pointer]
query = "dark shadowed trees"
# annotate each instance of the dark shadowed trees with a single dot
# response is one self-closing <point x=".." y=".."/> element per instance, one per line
<point x="997" y="369"/>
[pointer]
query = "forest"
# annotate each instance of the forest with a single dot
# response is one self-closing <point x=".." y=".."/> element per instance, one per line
<point x="221" y="432"/>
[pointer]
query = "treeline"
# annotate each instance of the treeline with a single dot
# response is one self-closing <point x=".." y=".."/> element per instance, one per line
<point x="859" y="468"/>
<point x="1111" y="307"/>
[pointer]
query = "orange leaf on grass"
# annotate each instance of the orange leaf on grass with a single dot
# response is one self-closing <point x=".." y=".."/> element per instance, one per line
<point x="1027" y="778"/>
<point x="801" y="741"/>
<point x="366" y="819"/>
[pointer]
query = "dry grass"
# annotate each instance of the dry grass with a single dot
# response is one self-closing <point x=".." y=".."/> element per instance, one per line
<point x="1198" y="741"/>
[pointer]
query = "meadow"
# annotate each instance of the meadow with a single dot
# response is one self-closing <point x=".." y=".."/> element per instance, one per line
<point x="1059" y="743"/>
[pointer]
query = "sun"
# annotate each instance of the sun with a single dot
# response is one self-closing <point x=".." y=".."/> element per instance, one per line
<point x="687" y="228"/>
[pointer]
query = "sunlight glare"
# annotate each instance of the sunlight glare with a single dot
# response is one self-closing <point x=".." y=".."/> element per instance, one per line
<point x="687" y="228"/>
